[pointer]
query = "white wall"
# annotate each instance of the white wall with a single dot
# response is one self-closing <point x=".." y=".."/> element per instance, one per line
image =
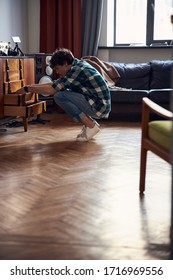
<point x="135" y="55"/>
<point x="20" y="18"/>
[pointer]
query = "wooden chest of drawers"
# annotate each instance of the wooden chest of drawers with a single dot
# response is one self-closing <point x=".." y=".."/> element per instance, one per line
<point x="15" y="72"/>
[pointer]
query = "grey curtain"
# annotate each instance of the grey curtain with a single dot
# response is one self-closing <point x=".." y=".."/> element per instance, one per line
<point x="92" y="11"/>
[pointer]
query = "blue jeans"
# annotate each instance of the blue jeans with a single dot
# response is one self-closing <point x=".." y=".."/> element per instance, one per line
<point x="74" y="104"/>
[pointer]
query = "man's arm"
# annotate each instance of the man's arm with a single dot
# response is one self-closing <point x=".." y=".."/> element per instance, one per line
<point x="39" y="88"/>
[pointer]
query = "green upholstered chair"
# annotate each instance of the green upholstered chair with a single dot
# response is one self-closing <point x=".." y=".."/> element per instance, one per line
<point x="156" y="136"/>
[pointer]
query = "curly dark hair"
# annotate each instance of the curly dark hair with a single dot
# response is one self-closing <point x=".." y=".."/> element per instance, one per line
<point x="61" y="56"/>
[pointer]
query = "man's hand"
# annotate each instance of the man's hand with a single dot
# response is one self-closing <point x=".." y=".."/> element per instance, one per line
<point x="20" y="91"/>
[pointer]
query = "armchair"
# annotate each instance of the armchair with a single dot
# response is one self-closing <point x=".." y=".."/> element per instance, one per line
<point x="156" y="136"/>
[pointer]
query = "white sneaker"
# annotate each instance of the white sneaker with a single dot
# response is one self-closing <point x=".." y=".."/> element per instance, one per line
<point x="87" y="133"/>
<point x="82" y="131"/>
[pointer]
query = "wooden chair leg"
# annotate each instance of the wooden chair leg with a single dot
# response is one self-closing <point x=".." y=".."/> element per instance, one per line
<point x="25" y="123"/>
<point x="142" y="170"/>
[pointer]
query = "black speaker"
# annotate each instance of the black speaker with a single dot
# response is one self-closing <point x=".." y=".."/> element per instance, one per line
<point x="43" y="72"/>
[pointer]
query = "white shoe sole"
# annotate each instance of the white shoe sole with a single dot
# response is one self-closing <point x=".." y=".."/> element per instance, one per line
<point x="86" y="138"/>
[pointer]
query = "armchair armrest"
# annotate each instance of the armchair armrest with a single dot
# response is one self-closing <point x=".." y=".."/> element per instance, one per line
<point x="150" y="106"/>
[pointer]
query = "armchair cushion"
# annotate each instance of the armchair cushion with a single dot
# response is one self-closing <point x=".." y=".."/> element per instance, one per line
<point x="160" y="133"/>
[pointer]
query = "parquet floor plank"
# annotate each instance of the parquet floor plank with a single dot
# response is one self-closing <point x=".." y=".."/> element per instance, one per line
<point x="60" y="199"/>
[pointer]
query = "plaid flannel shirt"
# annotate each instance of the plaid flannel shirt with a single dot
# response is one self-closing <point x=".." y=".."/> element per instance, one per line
<point x="85" y="79"/>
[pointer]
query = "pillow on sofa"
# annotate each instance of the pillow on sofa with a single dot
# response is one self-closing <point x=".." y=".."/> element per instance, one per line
<point x="161" y="71"/>
<point x="133" y="75"/>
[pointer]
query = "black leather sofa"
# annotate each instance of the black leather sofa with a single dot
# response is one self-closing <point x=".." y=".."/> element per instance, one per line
<point x="137" y="80"/>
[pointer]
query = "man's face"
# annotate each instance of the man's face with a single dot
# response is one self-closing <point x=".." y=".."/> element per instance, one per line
<point x="62" y="70"/>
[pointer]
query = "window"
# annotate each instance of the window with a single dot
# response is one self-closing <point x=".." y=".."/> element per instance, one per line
<point x="162" y="23"/>
<point x="142" y="22"/>
<point x="130" y="19"/>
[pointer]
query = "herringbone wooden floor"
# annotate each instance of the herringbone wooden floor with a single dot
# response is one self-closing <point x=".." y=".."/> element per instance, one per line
<point x="60" y="199"/>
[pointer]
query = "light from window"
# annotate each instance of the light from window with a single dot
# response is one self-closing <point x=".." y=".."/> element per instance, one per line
<point x="131" y="17"/>
<point x="163" y="10"/>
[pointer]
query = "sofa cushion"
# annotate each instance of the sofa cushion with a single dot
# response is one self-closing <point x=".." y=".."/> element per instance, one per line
<point x="160" y="132"/>
<point x="161" y="71"/>
<point x="160" y="95"/>
<point x="128" y="96"/>
<point x="133" y="75"/>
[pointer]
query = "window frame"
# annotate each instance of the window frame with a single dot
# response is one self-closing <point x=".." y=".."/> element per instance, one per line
<point x="149" y="27"/>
